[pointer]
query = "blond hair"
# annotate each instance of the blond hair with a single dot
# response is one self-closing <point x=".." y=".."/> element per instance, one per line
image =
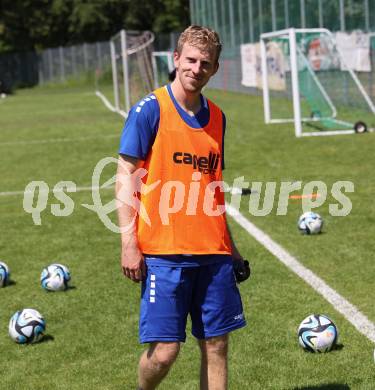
<point x="201" y="37"/>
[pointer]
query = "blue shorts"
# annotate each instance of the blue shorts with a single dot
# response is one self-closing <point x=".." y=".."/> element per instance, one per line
<point x="208" y="293"/>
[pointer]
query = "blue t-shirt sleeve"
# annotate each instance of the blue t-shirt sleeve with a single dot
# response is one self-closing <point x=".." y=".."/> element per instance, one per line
<point x="140" y="128"/>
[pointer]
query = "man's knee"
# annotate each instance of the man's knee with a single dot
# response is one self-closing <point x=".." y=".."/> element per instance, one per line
<point x="163" y="354"/>
<point x="215" y="345"/>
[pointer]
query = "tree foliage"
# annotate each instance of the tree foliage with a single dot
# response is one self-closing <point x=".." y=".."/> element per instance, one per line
<point x="38" y="24"/>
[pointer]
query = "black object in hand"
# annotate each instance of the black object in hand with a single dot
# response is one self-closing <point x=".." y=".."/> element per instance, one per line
<point x="241" y="270"/>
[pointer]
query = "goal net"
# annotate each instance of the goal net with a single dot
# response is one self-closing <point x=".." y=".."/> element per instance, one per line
<point x="307" y="81"/>
<point x="129" y="76"/>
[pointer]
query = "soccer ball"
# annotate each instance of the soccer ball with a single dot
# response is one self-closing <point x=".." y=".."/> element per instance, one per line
<point x="317" y="333"/>
<point x="4" y="274"/>
<point x="310" y="223"/>
<point x="55" y="277"/>
<point x="27" y="326"/>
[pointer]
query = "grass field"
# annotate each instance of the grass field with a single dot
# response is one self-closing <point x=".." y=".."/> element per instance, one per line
<point x="55" y="134"/>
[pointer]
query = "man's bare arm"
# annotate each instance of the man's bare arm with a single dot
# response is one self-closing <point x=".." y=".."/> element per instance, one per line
<point x="132" y="261"/>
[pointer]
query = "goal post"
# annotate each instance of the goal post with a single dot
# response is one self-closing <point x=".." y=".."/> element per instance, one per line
<point x="306" y="67"/>
<point x="129" y="75"/>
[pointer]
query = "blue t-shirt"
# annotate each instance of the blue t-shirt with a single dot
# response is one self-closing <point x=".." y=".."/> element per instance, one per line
<point x="138" y="136"/>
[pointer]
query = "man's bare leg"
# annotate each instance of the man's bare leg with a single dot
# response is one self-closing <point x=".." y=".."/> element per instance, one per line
<point x="155" y="363"/>
<point x="214" y="363"/>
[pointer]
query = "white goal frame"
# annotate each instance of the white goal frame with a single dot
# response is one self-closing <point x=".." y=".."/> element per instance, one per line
<point x="297" y="118"/>
<point x="124" y="56"/>
<point x="126" y="49"/>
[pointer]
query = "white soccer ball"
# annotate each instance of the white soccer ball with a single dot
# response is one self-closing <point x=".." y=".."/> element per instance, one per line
<point x="317" y="333"/>
<point x="55" y="277"/>
<point x="310" y="223"/>
<point x="27" y="326"/>
<point x="4" y="274"/>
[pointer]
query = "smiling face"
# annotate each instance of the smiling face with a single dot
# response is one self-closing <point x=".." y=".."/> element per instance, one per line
<point x="195" y="67"/>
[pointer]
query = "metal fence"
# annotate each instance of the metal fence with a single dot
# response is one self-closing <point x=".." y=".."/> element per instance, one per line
<point x="242" y="21"/>
<point x="229" y="76"/>
<point x="60" y="63"/>
<point x="26" y="69"/>
<point x="18" y="68"/>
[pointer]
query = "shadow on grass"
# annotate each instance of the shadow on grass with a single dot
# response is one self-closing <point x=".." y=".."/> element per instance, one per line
<point x="46" y="339"/>
<point x="61" y="291"/>
<point x="335" y="348"/>
<point x="328" y="386"/>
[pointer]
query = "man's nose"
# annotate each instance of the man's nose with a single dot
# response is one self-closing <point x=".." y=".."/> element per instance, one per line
<point x="196" y="68"/>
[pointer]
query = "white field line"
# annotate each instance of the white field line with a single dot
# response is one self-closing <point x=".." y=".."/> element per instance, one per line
<point x="108" y="104"/>
<point x="349" y="311"/>
<point x="69" y="189"/>
<point x="57" y="140"/>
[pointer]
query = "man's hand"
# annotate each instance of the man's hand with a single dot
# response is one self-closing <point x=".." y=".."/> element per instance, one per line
<point x="132" y="262"/>
<point x="241" y="269"/>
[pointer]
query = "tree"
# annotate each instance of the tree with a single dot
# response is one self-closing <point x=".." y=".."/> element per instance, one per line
<point x="38" y="24"/>
<point x="174" y="16"/>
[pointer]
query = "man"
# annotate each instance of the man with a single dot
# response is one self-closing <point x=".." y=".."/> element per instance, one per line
<point x="180" y="247"/>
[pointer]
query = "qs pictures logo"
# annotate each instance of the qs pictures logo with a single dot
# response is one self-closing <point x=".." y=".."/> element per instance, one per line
<point x="176" y="197"/>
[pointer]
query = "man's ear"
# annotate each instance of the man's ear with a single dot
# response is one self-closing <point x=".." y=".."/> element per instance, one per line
<point x="216" y="68"/>
<point x="176" y="59"/>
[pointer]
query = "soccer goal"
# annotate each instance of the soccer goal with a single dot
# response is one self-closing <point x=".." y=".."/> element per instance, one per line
<point x="130" y="76"/>
<point x="307" y="82"/>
